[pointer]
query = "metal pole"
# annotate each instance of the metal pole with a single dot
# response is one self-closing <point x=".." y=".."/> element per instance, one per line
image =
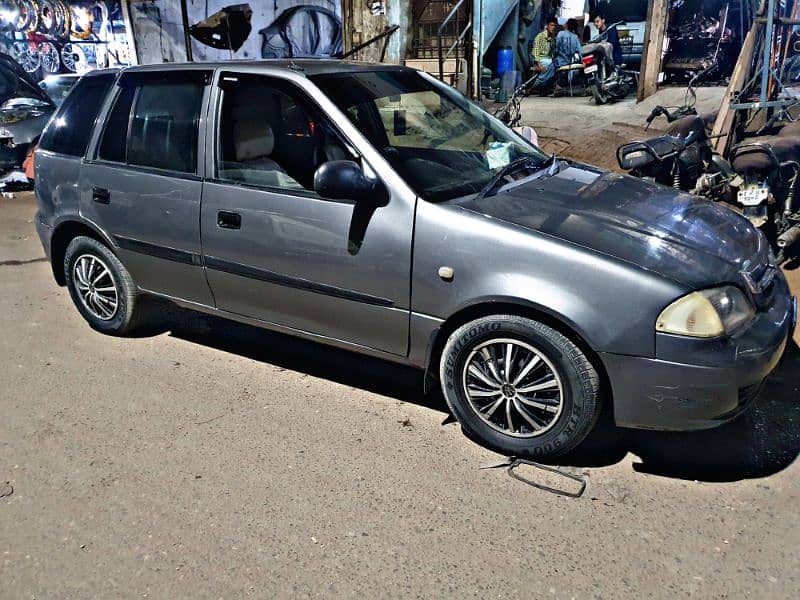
<point x="765" y="67"/>
<point x="186" y="37"/>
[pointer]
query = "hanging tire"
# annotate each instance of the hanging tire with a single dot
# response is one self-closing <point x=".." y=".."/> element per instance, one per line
<point x="519" y="387"/>
<point x="50" y="58"/>
<point x="27" y="58"/>
<point x="101" y="287"/>
<point x="74" y="58"/>
<point x="65" y="14"/>
<point x="27" y="17"/>
<point x="48" y="17"/>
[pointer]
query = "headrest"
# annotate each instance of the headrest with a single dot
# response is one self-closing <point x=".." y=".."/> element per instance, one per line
<point x="254" y="139"/>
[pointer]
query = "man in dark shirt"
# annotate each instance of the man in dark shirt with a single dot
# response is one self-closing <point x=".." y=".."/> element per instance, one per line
<point x="612" y="37"/>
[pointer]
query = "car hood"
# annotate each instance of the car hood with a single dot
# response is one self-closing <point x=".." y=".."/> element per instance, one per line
<point x="681" y="237"/>
<point x="16" y="83"/>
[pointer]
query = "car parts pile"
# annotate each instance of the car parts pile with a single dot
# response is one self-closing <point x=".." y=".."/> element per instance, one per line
<point x="702" y="39"/>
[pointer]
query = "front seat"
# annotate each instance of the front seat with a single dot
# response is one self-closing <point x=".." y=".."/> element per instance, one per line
<point x="254" y="143"/>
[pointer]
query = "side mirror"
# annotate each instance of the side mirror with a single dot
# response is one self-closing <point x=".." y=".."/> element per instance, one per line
<point x="344" y="180"/>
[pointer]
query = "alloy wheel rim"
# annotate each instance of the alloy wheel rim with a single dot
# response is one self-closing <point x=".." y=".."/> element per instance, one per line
<point x="513" y="387"/>
<point x="96" y="286"/>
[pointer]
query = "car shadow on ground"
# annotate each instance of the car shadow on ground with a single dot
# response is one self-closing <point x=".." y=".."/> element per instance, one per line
<point x="761" y="442"/>
<point x="295" y="354"/>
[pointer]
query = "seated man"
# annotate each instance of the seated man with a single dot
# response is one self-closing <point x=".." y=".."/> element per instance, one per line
<point x="543" y="46"/>
<point x="611" y="36"/>
<point x="566" y="51"/>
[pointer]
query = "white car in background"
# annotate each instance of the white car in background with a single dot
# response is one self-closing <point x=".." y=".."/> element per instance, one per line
<point x="633" y="13"/>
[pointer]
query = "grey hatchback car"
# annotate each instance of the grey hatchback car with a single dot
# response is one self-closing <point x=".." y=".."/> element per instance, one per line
<point x="374" y="208"/>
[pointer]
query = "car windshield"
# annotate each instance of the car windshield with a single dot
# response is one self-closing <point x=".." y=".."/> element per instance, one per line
<point x="442" y="144"/>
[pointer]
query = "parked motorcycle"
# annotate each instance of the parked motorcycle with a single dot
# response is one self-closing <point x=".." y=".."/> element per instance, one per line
<point x="606" y="80"/>
<point x="760" y="179"/>
<point x="769" y="169"/>
<point x="681" y="158"/>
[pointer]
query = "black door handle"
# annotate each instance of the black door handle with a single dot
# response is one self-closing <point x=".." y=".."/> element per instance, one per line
<point x="101" y="195"/>
<point x="229" y="220"/>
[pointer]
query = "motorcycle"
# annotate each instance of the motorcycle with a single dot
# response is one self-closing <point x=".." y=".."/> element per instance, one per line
<point x="606" y="80"/>
<point x="769" y="169"/>
<point x="682" y="157"/>
<point x="760" y="178"/>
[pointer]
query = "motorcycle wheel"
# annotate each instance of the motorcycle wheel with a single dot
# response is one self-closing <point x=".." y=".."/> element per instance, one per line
<point x="600" y="96"/>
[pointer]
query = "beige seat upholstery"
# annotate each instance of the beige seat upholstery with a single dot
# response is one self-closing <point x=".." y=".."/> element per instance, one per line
<point x="254" y="143"/>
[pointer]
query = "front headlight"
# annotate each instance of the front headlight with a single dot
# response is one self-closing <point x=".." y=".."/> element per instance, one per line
<point x="707" y="313"/>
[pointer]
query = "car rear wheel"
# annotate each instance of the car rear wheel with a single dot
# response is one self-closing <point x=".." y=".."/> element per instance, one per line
<point x="101" y="287"/>
<point x="519" y="387"/>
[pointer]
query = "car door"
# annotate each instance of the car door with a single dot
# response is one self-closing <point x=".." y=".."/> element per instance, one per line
<point x="142" y="185"/>
<point x="275" y="250"/>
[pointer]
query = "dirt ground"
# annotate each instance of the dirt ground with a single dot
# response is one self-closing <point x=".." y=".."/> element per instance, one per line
<point x="210" y="459"/>
<point x="579" y="129"/>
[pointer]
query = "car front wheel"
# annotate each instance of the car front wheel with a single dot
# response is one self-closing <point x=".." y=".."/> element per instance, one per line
<point x="519" y="387"/>
<point x="101" y="287"/>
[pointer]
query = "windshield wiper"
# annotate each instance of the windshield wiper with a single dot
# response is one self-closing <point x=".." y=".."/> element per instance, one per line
<point x="514" y="165"/>
<point x="552" y="164"/>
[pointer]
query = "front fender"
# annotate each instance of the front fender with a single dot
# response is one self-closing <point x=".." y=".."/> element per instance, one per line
<point x="607" y="302"/>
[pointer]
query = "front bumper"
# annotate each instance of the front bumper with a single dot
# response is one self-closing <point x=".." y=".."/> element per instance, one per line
<point x="699" y="384"/>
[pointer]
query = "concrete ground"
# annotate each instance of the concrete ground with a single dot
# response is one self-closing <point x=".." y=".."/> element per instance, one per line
<point x="210" y="459"/>
<point x="577" y="128"/>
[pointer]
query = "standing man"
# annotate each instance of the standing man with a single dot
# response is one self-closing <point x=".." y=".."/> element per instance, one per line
<point x="543" y="46"/>
<point x="612" y="37"/>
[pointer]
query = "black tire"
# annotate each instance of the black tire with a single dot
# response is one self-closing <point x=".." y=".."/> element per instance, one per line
<point x="128" y="313"/>
<point x="578" y="381"/>
<point x="600" y="97"/>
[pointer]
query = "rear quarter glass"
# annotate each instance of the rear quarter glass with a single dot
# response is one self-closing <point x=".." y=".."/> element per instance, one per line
<point x="71" y="127"/>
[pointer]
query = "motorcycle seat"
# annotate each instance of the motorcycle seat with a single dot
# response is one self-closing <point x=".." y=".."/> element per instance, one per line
<point x="761" y="154"/>
<point x="790" y="130"/>
<point x="686" y="125"/>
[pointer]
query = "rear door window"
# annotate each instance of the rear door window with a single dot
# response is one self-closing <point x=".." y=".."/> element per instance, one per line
<point x="115" y="134"/>
<point x="69" y="131"/>
<point x="154" y="122"/>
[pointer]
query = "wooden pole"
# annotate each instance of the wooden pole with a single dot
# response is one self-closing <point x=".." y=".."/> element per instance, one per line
<point x="657" y="14"/>
<point x="187" y="39"/>
<point x="723" y="126"/>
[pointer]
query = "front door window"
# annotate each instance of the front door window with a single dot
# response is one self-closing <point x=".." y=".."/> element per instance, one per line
<point x="271" y="136"/>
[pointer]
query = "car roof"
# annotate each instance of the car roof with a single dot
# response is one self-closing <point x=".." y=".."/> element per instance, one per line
<point x="305" y="66"/>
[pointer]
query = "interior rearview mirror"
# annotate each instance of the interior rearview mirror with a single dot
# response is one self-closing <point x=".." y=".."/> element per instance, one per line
<point x="344" y="180"/>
